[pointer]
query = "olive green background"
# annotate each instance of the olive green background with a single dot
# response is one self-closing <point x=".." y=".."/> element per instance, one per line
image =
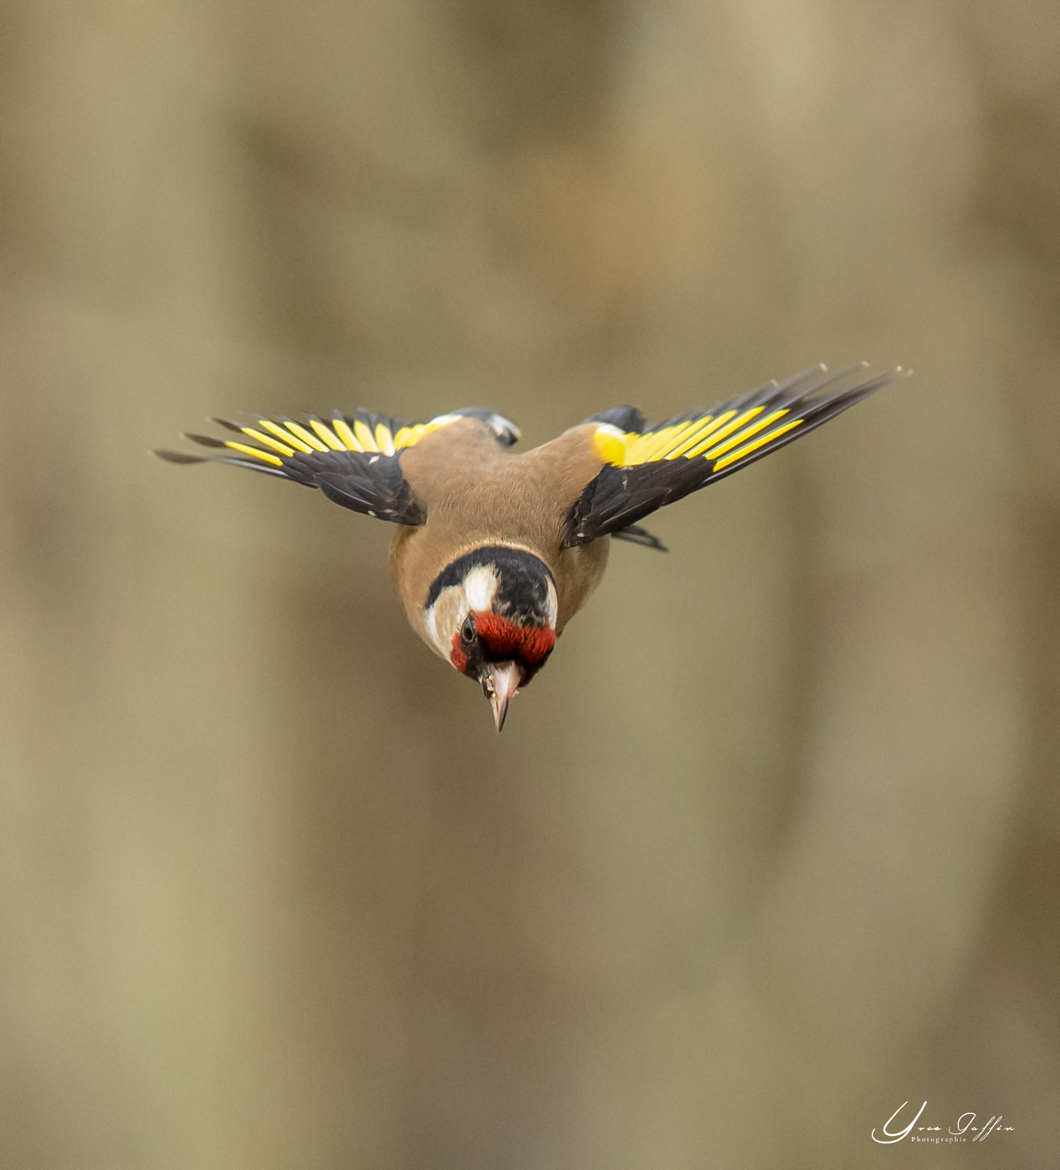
<point x="771" y="845"/>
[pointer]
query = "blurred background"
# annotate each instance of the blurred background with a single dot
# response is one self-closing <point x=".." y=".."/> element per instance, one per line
<point x="771" y="846"/>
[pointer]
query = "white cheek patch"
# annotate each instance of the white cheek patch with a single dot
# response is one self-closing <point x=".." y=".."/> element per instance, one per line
<point x="442" y="620"/>
<point x="480" y="586"/>
<point x="431" y="626"/>
<point x="553" y="604"/>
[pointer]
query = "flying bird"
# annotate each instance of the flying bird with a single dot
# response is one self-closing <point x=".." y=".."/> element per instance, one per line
<point x="495" y="552"/>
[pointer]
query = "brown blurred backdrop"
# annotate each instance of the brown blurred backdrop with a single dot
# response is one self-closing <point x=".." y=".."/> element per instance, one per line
<point x="772" y="844"/>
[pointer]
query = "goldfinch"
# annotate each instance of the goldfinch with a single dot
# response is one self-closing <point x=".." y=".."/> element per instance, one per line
<point x="495" y="552"/>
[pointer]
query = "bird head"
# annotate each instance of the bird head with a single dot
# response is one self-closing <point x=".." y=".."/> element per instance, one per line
<point x="492" y="614"/>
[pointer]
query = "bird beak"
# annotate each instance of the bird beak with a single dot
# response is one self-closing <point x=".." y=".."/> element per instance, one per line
<point x="499" y="683"/>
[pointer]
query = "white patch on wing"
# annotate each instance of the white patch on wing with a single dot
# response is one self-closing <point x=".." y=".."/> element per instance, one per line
<point x="480" y="585"/>
<point x="504" y="428"/>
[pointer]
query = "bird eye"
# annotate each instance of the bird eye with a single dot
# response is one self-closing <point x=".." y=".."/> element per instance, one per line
<point x="467" y="630"/>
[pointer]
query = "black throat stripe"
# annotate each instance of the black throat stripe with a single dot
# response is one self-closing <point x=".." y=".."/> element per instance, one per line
<point x="520" y="571"/>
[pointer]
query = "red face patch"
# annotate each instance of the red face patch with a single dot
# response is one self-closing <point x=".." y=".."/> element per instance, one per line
<point x="506" y="639"/>
<point x="497" y="637"/>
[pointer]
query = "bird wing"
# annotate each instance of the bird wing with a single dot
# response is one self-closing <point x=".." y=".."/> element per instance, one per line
<point x="646" y="468"/>
<point x="354" y="459"/>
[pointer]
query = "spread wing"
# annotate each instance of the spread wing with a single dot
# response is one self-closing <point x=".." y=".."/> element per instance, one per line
<point x="354" y="459"/>
<point x="646" y="468"/>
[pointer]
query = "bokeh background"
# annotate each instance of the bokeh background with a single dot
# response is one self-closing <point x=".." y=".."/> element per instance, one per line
<point x="771" y="846"/>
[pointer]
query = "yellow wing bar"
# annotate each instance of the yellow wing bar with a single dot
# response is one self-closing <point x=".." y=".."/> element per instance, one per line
<point x="710" y="436"/>
<point x="747" y="426"/>
<point x="645" y="468"/>
<point x="277" y="440"/>
<point x="310" y="447"/>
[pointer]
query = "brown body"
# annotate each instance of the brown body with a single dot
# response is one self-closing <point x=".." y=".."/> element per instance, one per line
<point x="495" y="552"/>
<point x="476" y="492"/>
